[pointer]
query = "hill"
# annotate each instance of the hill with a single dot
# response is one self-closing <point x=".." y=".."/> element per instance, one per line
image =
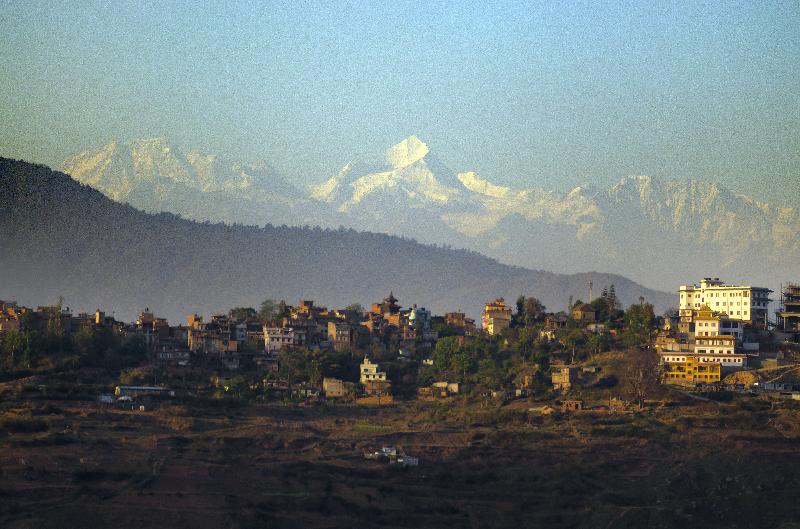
<point x="60" y="237"/>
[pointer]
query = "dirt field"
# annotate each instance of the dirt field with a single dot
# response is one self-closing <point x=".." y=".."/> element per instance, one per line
<point x="202" y="465"/>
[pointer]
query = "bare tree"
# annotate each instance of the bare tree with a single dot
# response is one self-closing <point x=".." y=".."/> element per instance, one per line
<point x="641" y="373"/>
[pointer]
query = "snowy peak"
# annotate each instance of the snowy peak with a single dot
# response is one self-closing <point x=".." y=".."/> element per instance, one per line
<point x="407" y="176"/>
<point x="405" y="153"/>
<point x="155" y="175"/>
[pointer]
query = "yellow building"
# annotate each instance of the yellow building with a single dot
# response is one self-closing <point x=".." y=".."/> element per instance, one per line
<point x="683" y="367"/>
<point x="496" y="317"/>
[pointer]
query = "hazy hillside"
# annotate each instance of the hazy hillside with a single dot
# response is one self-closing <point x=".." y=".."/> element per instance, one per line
<point x="60" y="237"/>
<point x="661" y="233"/>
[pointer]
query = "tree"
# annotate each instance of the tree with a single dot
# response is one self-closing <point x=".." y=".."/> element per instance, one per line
<point x="462" y="363"/>
<point x="489" y="374"/>
<point x="238" y="386"/>
<point x="594" y="341"/>
<point x="529" y="311"/>
<point x="133" y="376"/>
<point x="12" y="346"/>
<point x="242" y="313"/>
<point x="444" y="353"/>
<point x="611" y="300"/>
<point x="355" y="309"/>
<point x="641" y="373"/>
<point x="571" y="338"/>
<point x="640" y="321"/>
<point x="282" y="310"/>
<point x="54" y="326"/>
<point x="600" y="305"/>
<point x="268" y="310"/>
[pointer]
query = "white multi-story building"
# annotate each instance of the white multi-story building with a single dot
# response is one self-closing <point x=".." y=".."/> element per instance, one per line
<point x="745" y="303"/>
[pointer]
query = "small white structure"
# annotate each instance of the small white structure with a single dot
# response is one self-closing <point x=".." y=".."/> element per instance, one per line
<point x="394" y="455"/>
<point x="370" y="372"/>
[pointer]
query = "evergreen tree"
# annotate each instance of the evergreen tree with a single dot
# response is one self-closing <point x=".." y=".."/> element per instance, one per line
<point x="612" y="301"/>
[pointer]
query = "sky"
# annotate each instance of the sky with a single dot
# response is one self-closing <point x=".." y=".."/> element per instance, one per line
<point x="524" y="93"/>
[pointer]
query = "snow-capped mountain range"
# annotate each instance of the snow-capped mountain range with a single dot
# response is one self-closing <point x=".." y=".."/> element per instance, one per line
<point x="661" y="233"/>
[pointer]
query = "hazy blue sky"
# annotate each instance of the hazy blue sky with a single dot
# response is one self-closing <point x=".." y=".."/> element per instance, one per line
<point x="529" y="95"/>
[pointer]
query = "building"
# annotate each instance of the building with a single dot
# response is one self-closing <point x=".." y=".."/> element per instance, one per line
<point x="341" y="334"/>
<point x="419" y="318"/>
<point x="552" y="324"/>
<point x="745" y="303"/>
<point x="387" y="307"/>
<point x="378" y="388"/>
<point x="583" y="313"/>
<point x="690" y="368"/>
<point x="446" y="389"/>
<point x="139" y="391"/>
<point x="496" y="317"/>
<point x="789" y="312"/>
<point x="710" y="323"/>
<point x="459" y="321"/>
<point x="721" y="350"/>
<point x="564" y="377"/>
<point x="279" y="338"/>
<point x="333" y="387"/>
<point x="370" y="372"/>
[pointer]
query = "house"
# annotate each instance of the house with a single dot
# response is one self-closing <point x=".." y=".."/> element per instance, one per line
<point x="419" y="318"/>
<point x="572" y="405"/>
<point x="378" y="388"/>
<point x="444" y="389"/>
<point x="552" y="324"/>
<point x="583" y="313"/>
<point x="459" y="321"/>
<point x="690" y="367"/>
<point x="496" y="317"/>
<point x="370" y="372"/>
<point x="305" y="390"/>
<point x="341" y="334"/>
<point x="564" y="377"/>
<point x="333" y="387"/>
<point x="280" y="338"/>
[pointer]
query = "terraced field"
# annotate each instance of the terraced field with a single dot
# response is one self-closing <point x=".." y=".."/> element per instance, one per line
<point x="209" y="464"/>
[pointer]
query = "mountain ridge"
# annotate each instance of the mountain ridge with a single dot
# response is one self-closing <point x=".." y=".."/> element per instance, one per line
<point x="65" y="238"/>
<point x="659" y="232"/>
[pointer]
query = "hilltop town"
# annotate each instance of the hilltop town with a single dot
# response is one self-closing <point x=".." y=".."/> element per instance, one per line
<point x="720" y="337"/>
